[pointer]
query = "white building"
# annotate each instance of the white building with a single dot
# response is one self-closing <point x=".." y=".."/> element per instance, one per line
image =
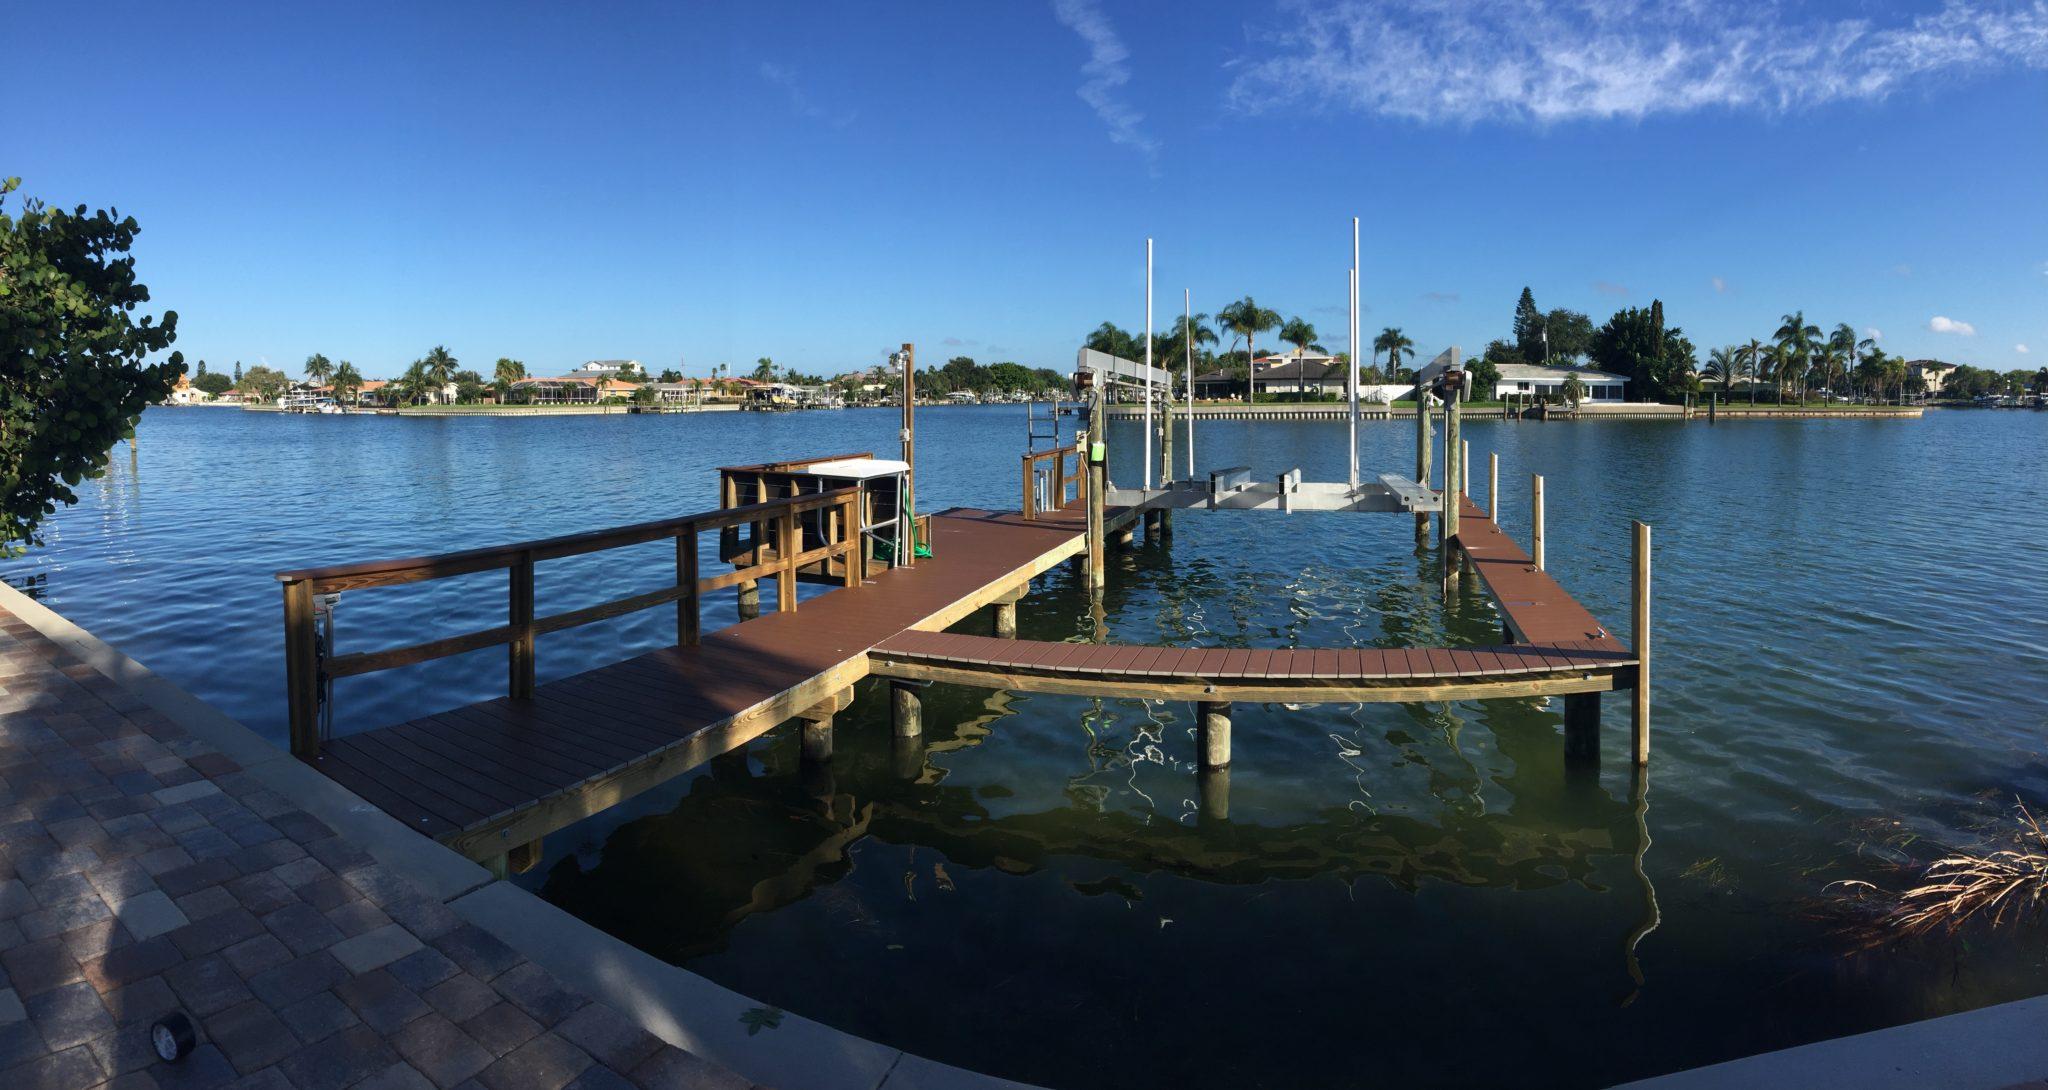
<point x="1525" y="379"/>
<point x="607" y="369"/>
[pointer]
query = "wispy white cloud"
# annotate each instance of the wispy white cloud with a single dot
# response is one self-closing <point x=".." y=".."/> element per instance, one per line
<point x="1606" y="287"/>
<point x="1942" y="324"/>
<point x="1873" y="333"/>
<point x="1720" y="286"/>
<point x="1107" y="71"/>
<point x="1440" y="296"/>
<point x="786" y="79"/>
<point x="1521" y="60"/>
<point x="2021" y="349"/>
<point x="1902" y="269"/>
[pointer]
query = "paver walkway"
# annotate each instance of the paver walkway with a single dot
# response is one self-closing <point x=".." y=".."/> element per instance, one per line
<point x="142" y="873"/>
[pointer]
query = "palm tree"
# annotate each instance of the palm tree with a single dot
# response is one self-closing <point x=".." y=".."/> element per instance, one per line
<point x="1832" y="359"/>
<point x="508" y="372"/>
<point x="764" y="370"/>
<point x="1248" y="319"/>
<point x="1753" y="365"/>
<point x="318" y="369"/>
<point x="436" y="371"/>
<point x="1798" y="338"/>
<point x="1722" y="364"/>
<point x="347" y="380"/>
<point x="1393" y="342"/>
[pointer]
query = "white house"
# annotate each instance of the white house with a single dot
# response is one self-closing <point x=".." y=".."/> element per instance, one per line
<point x="1526" y="379"/>
<point x="608" y="369"/>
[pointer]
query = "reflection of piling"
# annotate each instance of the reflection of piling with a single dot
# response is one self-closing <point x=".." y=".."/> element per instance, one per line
<point x="906" y="756"/>
<point x="1213" y="785"/>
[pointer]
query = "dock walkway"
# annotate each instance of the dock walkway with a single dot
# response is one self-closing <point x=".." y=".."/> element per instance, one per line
<point x="492" y="776"/>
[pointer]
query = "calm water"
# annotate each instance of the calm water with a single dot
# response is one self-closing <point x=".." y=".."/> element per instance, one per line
<point x="1852" y="653"/>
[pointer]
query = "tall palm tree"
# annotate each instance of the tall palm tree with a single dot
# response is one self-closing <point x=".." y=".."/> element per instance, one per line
<point x="437" y="369"/>
<point x="1393" y="342"/>
<point x="1798" y="338"/>
<point x="1830" y="360"/>
<point x="318" y="369"/>
<point x="508" y="372"/>
<point x="1246" y="318"/>
<point x="1753" y="360"/>
<point x="347" y="380"/>
<point x="1722" y="364"/>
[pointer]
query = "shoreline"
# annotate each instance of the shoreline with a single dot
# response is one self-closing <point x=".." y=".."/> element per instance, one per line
<point x="1621" y="410"/>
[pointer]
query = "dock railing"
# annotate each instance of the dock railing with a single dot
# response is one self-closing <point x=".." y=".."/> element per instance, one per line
<point x="1057" y="478"/>
<point x="308" y="670"/>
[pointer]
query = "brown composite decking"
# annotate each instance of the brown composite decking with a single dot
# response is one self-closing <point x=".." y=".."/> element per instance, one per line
<point x="469" y="771"/>
<point x="1535" y="607"/>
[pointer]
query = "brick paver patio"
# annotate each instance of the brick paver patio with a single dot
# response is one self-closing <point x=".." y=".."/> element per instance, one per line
<point x="142" y="873"/>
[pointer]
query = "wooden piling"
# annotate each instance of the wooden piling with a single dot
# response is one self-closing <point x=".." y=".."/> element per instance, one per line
<point x="1639" y="631"/>
<point x="1006" y="620"/>
<point x="688" y="618"/>
<point x="1097" y="485"/>
<point x="1212" y="733"/>
<point x="1422" y="445"/>
<point x="1536" y="520"/>
<point x="750" y="598"/>
<point x="301" y="669"/>
<point x="1465" y="465"/>
<point x="816" y="745"/>
<point x="1493" y="487"/>
<point x="906" y="709"/>
<point x="520" y="613"/>
<point x="1582" y="727"/>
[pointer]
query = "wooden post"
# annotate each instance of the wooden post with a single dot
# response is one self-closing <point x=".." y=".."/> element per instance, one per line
<point x="1582" y="727"/>
<point x="908" y="526"/>
<point x="750" y="599"/>
<point x="1423" y="440"/>
<point x="1097" y="455"/>
<point x="1464" y="465"/>
<point x="1454" y="480"/>
<point x="1536" y="519"/>
<point x="1006" y="620"/>
<point x="688" y="620"/>
<point x="1639" y="630"/>
<point x="1166" y="439"/>
<point x="906" y="709"/>
<point x="817" y="740"/>
<point x="1030" y="507"/>
<point x="856" y="553"/>
<point x="788" y="543"/>
<point x="1212" y="733"/>
<point x="1059" y="476"/>
<point x="521" y="686"/>
<point x="1493" y="487"/>
<point x="301" y="669"/>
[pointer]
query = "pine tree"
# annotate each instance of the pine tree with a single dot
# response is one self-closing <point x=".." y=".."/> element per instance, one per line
<point x="238" y="372"/>
<point x="202" y="369"/>
<point x="1529" y="326"/>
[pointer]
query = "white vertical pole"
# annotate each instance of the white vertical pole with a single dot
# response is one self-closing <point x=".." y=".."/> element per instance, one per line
<point x="1187" y="307"/>
<point x="1148" y="365"/>
<point x="1352" y="383"/>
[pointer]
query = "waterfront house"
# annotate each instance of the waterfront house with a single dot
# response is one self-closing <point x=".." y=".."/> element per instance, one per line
<point x="184" y="393"/>
<point x="610" y="369"/>
<point x="581" y="388"/>
<point x="1526" y="380"/>
<point x="1933" y="373"/>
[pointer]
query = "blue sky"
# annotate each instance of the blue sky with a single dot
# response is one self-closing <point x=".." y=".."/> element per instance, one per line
<point x="818" y="183"/>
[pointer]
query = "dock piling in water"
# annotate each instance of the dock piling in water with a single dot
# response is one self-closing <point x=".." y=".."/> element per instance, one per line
<point x="906" y="709"/>
<point x="1212" y="733"/>
<point x="1639" y="632"/>
<point x="1536" y="520"/>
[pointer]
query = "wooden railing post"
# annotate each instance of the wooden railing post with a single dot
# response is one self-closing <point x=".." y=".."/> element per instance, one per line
<point x="1493" y="488"/>
<point x="1030" y="507"/>
<point x="1059" y="480"/>
<point x="849" y="535"/>
<point x="788" y="543"/>
<point x="520" y="659"/>
<point x="688" y="616"/>
<point x="301" y="669"/>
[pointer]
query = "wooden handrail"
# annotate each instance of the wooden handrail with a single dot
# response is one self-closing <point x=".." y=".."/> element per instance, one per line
<point x="1058" y="456"/>
<point x="382" y="573"/>
<point x="305" y="671"/>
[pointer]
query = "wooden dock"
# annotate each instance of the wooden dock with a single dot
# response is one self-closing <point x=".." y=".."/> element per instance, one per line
<point x="493" y="776"/>
<point x="491" y="779"/>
